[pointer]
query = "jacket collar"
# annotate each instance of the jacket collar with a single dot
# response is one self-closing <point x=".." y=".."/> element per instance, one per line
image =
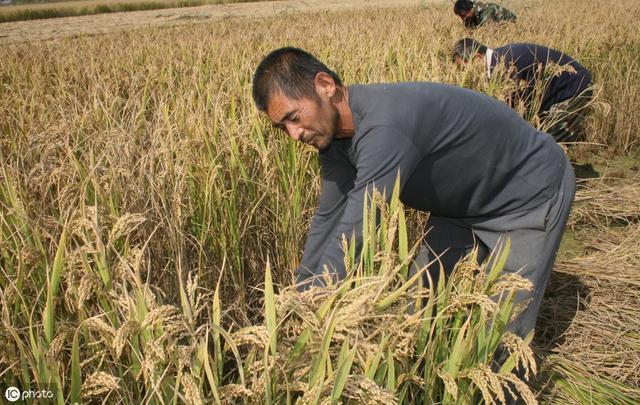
<point x="488" y="59"/>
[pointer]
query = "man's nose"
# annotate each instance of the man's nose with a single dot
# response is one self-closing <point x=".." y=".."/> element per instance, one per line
<point x="294" y="132"/>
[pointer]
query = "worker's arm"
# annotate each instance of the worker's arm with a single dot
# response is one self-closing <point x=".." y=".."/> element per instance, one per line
<point x="381" y="153"/>
<point x="338" y="175"/>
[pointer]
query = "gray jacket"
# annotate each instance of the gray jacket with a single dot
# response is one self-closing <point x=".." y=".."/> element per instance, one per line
<point x="460" y="154"/>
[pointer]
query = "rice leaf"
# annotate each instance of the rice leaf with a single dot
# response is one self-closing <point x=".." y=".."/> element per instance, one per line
<point x="54" y="285"/>
<point x="345" y="360"/>
<point x="270" y="310"/>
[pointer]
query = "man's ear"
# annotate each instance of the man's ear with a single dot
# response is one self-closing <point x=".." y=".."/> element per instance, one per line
<point x="325" y="84"/>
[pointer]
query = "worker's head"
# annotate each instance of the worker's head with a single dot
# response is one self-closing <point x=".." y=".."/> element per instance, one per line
<point x="298" y="92"/>
<point x="464" y="9"/>
<point x="468" y="49"/>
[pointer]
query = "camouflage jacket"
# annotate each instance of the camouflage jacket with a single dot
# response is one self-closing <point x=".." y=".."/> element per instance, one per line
<point x="492" y="12"/>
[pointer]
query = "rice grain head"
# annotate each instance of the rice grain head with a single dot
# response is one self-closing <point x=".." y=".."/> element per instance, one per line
<point x="159" y="315"/>
<point x="185" y="356"/>
<point x="97" y="324"/>
<point x="463" y="301"/>
<point x="124" y="226"/>
<point x="450" y="384"/>
<point x="89" y="284"/>
<point x="58" y="343"/>
<point x="510" y="282"/>
<point x="122" y="335"/>
<point x="98" y="384"/>
<point x="487" y="382"/>
<point x="230" y="392"/>
<point x="522" y="353"/>
<point x="523" y="389"/>
<point x="191" y="391"/>
<point x="366" y="391"/>
<point x="252" y="335"/>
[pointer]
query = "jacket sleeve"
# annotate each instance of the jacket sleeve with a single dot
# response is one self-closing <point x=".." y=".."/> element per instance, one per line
<point x="338" y="175"/>
<point x="380" y="154"/>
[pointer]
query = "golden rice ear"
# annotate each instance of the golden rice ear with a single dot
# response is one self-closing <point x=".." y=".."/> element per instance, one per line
<point x="450" y="384"/>
<point x="521" y="353"/>
<point x="252" y="335"/>
<point x="124" y="226"/>
<point x="99" y="383"/>
<point x="122" y="336"/>
<point x="467" y="271"/>
<point x="192" y="394"/>
<point x="510" y="282"/>
<point x="523" y="390"/>
<point x="366" y="391"/>
<point x="98" y="324"/>
<point x="231" y="392"/>
<point x="487" y="382"/>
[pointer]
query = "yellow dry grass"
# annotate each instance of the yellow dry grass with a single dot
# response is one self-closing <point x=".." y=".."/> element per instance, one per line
<point x="19" y="31"/>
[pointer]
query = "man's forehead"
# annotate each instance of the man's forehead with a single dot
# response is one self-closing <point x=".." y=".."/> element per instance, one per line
<point x="277" y="106"/>
<point x="280" y="105"/>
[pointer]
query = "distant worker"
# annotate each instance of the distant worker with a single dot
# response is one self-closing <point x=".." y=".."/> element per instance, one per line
<point x="475" y="13"/>
<point x="559" y="95"/>
<point x="471" y="161"/>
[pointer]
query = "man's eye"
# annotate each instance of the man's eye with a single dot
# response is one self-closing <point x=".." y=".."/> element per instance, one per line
<point x="295" y="118"/>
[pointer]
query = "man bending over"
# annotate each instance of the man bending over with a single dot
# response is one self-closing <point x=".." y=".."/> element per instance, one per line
<point x="471" y="161"/>
<point x="560" y="95"/>
<point x="476" y="13"/>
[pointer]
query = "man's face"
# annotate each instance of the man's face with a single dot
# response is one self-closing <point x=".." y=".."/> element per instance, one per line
<point x="467" y="15"/>
<point x="477" y="62"/>
<point x="314" y="122"/>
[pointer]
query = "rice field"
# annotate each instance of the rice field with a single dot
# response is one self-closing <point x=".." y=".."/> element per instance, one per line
<point x="151" y="218"/>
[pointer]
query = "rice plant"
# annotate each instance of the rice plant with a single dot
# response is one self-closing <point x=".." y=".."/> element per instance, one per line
<point x="382" y="337"/>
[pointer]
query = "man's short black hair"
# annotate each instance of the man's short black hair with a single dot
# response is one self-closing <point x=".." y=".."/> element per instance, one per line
<point x="466" y="49"/>
<point x="462" y="6"/>
<point x="291" y="71"/>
